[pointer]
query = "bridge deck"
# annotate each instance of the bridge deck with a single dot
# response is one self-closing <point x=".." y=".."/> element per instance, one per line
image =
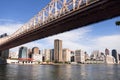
<point x="102" y="10"/>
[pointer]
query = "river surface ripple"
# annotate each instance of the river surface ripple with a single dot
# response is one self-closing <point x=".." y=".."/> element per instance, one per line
<point x="60" y="72"/>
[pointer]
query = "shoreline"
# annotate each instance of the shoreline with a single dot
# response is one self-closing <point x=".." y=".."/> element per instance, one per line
<point x="60" y="64"/>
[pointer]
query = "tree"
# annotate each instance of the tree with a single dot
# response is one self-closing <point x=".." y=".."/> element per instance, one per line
<point x="47" y="61"/>
<point x="117" y="23"/>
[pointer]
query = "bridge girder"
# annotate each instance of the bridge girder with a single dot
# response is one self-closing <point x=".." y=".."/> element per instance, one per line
<point x="49" y="20"/>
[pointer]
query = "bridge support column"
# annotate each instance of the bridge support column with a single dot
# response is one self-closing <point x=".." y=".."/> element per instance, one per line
<point x="3" y="56"/>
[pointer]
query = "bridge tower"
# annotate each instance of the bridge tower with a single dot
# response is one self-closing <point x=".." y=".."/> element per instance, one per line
<point x="4" y="54"/>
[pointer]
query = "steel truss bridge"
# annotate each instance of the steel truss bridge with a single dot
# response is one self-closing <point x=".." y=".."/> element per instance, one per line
<point x="60" y="16"/>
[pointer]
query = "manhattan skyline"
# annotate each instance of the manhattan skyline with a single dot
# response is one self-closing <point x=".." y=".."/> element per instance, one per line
<point x="96" y="36"/>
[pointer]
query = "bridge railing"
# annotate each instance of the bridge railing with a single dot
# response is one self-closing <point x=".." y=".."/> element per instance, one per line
<point x="54" y="10"/>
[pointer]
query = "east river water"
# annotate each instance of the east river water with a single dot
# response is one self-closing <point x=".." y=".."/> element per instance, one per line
<point x="60" y="72"/>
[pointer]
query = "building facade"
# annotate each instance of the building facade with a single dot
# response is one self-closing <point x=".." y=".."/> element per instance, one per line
<point x="23" y="53"/>
<point x="35" y="50"/>
<point x="51" y="55"/>
<point x="110" y="59"/>
<point x="30" y="53"/>
<point x="107" y="52"/>
<point x="58" y="50"/>
<point x="95" y="55"/>
<point x="36" y="55"/>
<point x="66" y="55"/>
<point x="79" y="56"/>
<point x="115" y="55"/>
<point x="72" y="56"/>
<point x="47" y="55"/>
<point x="13" y="55"/>
<point x="87" y="56"/>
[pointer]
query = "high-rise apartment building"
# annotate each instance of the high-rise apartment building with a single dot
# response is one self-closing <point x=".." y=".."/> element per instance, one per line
<point x="107" y="51"/>
<point x="51" y="55"/>
<point x="115" y="55"/>
<point x="30" y="53"/>
<point x="110" y="59"/>
<point x="47" y="54"/>
<point x="58" y="50"/>
<point x="86" y="56"/>
<point x="23" y="53"/>
<point x="36" y="56"/>
<point x="119" y="56"/>
<point x="79" y="56"/>
<point x="35" y="50"/>
<point x="13" y="55"/>
<point x="72" y="59"/>
<point x="95" y="55"/>
<point x="66" y="55"/>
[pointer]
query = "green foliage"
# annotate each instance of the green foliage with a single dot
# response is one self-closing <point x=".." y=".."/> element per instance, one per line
<point x="47" y="61"/>
<point x="55" y="61"/>
<point x="67" y="62"/>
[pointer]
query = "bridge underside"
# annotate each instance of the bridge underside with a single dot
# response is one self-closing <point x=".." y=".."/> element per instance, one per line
<point x="105" y="9"/>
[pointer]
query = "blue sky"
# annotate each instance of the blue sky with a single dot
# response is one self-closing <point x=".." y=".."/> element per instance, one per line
<point x="105" y="34"/>
<point x="21" y="10"/>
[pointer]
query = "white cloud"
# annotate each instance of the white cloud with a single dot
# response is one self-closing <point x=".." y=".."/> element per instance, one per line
<point x="71" y="39"/>
<point x="8" y="26"/>
<point x="6" y="20"/>
<point x="110" y="42"/>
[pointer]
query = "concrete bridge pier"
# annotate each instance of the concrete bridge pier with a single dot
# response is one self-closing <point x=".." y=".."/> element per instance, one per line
<point x="3" y="56"/>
